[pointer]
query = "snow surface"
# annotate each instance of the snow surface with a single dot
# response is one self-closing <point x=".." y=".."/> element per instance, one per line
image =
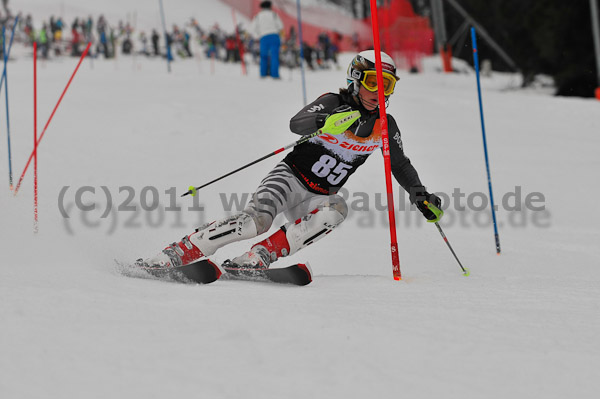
<point x="524" y="324"/>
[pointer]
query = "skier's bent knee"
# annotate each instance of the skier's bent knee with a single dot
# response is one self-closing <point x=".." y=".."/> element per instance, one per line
<point x="339" y="204"/>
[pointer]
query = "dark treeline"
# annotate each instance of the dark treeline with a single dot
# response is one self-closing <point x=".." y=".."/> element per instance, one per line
<point x="551" y="37"/>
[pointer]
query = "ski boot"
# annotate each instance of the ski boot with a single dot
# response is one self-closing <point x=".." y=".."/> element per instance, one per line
<point x="202" y="243"/>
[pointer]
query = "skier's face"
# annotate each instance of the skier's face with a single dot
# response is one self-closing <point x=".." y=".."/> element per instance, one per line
<point x="369" y="99"/>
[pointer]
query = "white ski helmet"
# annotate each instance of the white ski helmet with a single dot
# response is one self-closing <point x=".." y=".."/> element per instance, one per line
<point x="365" y="61"/>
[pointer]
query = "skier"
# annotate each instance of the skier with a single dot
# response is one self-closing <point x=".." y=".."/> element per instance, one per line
<point x="304" y="185"/>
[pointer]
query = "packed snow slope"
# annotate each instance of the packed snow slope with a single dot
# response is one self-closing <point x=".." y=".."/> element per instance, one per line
<point x="524" y="324"/>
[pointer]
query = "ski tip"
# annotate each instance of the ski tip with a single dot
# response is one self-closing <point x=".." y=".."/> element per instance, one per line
<point x="467" y="272"/>
<point x="203" y="271"/>
<point x="218" y="269"/>
<point x="307" y="269"/>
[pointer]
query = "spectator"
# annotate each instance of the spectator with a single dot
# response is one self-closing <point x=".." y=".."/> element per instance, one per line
<point x="293" y="52"/>
<point x="144" y="41"/>
<point x="355" y="41"/>
<point x="101" y="27"/>
<point x="308" y="55"/>
<point x="211" y="43"/>
<point x="267" y="26"/>
<point x="127" y="46"/>
<point x="43" y="41"/>
<point x="28" y="29"/>
<point x="59" y="27"/>
<point x="186" y="43"/>
<point x="52" y="28"/>
<point x="155" y="38"/>
<point x="336" y="44"/>
<point x="231" y="47"/>
<point x="76" y="39"/>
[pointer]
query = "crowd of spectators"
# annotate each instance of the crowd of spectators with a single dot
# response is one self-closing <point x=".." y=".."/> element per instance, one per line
<point x="56" y="37"/>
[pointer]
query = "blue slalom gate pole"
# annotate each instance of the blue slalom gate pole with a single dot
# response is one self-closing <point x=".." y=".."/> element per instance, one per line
<point x="5" y="78"/>
<point x="10" y="178"/>
<point x="301" y="51"/>
<point x="167" y="44"/>
<point x="487" y="162"/>
<point x="12" y="36"/>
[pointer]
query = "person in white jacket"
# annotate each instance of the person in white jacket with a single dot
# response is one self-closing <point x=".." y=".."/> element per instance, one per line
<point x="266" y="25"/>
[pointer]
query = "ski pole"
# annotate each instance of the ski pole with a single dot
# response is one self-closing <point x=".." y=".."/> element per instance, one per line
<point x="466" y="271"/>
<point x="192" y="190"/>
<point x="343" y="120"/>
<point x="433" y="208"/>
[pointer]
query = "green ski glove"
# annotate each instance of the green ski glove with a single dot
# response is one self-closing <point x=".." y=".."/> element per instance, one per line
<point x="338" y="123"/>
<point x="430" y="205"/>
<point x="437" y="212"/>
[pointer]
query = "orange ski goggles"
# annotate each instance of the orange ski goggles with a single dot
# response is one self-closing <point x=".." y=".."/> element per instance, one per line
<point x="369" y="81"/>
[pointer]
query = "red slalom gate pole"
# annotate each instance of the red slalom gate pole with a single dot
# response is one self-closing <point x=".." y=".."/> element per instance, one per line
<point x="386" y="144"/>
<point x="51" y="116"/>
<point x="35" y="159"/>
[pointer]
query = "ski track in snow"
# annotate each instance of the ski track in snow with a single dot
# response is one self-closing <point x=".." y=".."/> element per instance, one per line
<point x="524" y="324"/>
